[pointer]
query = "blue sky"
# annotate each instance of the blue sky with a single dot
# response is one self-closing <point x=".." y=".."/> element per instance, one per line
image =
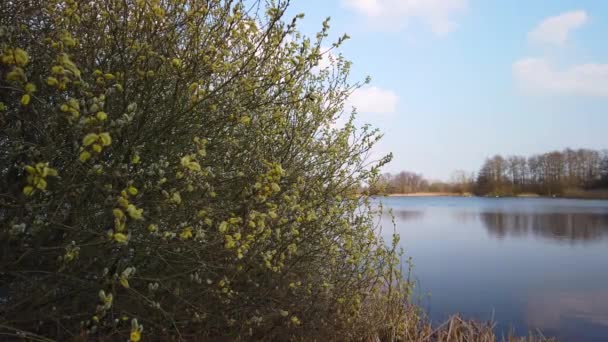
<point x="456" y="81"/>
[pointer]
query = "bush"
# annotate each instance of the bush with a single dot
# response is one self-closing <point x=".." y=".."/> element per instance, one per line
<point x="173" y="169"/>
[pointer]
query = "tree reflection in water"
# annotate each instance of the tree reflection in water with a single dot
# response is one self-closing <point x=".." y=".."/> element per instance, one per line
<point x="406" y="215"/>
<point x="583" y="227"/>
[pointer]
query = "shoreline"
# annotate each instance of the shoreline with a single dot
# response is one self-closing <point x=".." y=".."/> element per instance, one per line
<point x="526" y="195"/>
<point x="430" y="194"/>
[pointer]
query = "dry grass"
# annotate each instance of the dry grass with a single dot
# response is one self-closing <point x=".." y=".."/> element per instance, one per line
<point x="392" y="316"/>
<point x="586" y="194"/>
<point x="456" y="329"/>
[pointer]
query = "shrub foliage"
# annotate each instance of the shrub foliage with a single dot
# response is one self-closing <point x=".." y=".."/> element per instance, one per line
<point x="173" y="168"/>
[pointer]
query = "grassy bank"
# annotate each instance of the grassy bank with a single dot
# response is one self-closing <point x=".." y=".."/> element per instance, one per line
<point x="398" y="321"/>
<point x="528" y="195"/>
<point x="585" y="194"/>
<point x="392" y="314"/>
<point x="457" y="329"/>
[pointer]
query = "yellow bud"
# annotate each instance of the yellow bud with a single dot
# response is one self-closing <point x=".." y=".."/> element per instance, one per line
<point x="30" y="87"/>
<point x="21" y="57"/>
<point x="15" y="56"/>
<point x="176" y="198"/>
<point x="230" y="243"/>
<point x="17" y="74"/>
<point x="245" y="120"/>
<point x="120" y="238"/>
<point x="28" y="190"/>
<point x="194" y="166"/>
<point x="119" y="225"/>
<point x="135" y="213"/>
<point x="74" y="104"/>
<point x="25" y="99"/>
<point x="52" y="81"/>
<point x="57" y="69"/>
<point x="97" y="148"/>
<point x="101" y="116"/>
<point x="186" y="233"/>
<point x="105" y="138"/>
<point x="123" y="202"/>
<point x="152" y="228"/>
<point x="132" y="190"/>
<point x="40" y="183"/>
<point x="223" y="227"/>
<point x="48" y="171"/>
<point x="118" y="213"/>
<point x="185" y="161"/>
<point x="89" y="139"/>
<point x="124" y="282"/>
<point x="176" y="62"/>
<point x="40" y="168"/>
<point x="30" y="169"/>
<point x="84" y="156"/>
<point x="135" y="336"/>
<point x="67" y="40"/>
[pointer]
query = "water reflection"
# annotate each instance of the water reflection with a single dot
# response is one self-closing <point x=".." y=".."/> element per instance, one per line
<point x="555" y="226"/>
<point x="465" y="216"/>
<point x="406" y="215"/>
<point x="527" y="263"/>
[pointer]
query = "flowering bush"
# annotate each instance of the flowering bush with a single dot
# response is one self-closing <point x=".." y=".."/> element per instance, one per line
<point x="172" y="168"/>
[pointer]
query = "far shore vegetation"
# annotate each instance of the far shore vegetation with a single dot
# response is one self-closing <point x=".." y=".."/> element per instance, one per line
<point x="580" y="173"/>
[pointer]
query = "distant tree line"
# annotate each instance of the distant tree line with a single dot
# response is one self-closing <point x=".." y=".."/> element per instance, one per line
<point x="572" y="173"/>
<point x="406" y="182"/>
<point x="554" y="173"/>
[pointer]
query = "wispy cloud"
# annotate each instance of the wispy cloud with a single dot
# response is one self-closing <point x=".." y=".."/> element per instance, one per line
<point x="373" y="100"/>
<point x="539" y="76"/>
<point x="556" y="30"/>
<point x="437" y="14"/>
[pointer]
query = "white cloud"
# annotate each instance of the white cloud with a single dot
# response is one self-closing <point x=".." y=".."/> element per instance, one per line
<point x="373" y="100"/>
<point x="435" y="13"/>
<point x="555" y="30"/>
<point x="326" y="58"/>
<point x="538" y="75"/>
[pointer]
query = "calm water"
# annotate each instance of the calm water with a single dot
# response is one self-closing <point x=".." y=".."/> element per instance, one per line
<point x="526" y="263"/>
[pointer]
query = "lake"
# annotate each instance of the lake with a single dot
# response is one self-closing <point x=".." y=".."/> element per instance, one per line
<point x="526" y="263"/>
